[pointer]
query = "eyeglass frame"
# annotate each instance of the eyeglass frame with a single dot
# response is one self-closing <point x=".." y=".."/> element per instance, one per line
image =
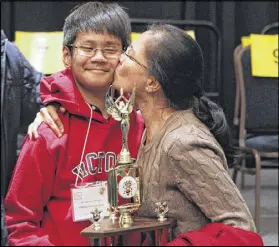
<point x="94" y="50"/>
<point x="135" y="60"/>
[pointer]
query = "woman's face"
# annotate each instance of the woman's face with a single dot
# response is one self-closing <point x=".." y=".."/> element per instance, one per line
<point x="132" y="68"/>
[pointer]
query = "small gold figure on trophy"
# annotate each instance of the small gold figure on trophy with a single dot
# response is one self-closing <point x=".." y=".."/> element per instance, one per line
<point x="120" y="110"/>
<point x="96" y="217"/>
<point x="161" y="210"/>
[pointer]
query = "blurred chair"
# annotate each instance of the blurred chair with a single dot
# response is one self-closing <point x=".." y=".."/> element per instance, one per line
<point x="256" y="119"/>
<point x="237" y="93"/>
<point x="271" y="28"/>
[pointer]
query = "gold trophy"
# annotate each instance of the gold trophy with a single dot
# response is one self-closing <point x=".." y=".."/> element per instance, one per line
<point x="125" y="177"/>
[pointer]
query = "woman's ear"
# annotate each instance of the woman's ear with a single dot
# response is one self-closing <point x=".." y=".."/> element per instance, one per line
<point x="152" y="84"/>
<point x="67" y="57"/>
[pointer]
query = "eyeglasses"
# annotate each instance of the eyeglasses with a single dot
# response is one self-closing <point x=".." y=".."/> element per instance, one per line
<point x="135" y="60"/>
<point x="108" y="53"/>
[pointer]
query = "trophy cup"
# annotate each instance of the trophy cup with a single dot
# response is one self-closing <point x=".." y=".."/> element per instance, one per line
<point x="124" y="178"/>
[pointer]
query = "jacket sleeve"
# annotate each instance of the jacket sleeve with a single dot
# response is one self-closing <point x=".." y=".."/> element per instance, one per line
<point x="29" y="76"/>
<point x="29" y="192"/>
<point x="200" y="174"/>
<point x="4" y="233"/>
<point x="30" y="90"/>
<point x="23" y="78"/>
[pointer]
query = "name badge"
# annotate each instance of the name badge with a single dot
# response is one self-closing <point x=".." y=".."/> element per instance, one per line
<point x="86" y="200"/>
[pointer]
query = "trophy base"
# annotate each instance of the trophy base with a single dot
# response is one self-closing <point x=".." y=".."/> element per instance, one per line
<point x="96" y="226"/>
<point x="126" y="220"/>
<point x="124" y="158"/>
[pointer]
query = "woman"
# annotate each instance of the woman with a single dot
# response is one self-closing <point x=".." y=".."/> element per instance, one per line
<point x="186" y="143"/>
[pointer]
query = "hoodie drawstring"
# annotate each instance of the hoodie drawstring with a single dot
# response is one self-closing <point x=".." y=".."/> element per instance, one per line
<point x="83" y="150"/>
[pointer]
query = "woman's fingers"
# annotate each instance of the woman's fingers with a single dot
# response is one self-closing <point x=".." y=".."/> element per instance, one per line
<point x="50" y="116"/>
<point x="52" y="119"/>
<point x="33" y="127"/>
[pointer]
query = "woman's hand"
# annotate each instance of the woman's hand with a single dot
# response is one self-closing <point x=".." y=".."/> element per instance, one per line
<point x="49" y="115"/>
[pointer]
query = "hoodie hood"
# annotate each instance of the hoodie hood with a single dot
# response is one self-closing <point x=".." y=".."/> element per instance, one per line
<point x="61" y="88"/>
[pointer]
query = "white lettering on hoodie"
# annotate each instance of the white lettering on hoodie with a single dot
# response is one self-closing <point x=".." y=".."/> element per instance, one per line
<point x="83" y="170"/>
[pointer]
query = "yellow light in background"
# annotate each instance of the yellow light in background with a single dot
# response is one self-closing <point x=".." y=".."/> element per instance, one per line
<point x="42" y="49"/>
<point x="134" y="35"/>
<point x="191" y="33"/>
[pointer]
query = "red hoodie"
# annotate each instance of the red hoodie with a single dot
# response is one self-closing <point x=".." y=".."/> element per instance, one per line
<point x="38" y="202"/>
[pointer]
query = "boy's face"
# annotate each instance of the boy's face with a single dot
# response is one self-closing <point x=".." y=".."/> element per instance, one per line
<point x="93" y="71"/>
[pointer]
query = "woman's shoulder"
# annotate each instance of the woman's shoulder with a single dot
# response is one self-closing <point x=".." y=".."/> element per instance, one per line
<point x="194" y="141"/>
<point x="189" y="132"/>
<point x="185" y="123"/>
<point x="189" y="136"/>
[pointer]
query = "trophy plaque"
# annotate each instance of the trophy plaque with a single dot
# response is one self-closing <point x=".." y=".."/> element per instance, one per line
<point x="124" y="178"/>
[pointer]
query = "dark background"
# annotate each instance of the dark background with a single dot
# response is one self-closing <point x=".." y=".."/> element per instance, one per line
<point x="234" y="19"/>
